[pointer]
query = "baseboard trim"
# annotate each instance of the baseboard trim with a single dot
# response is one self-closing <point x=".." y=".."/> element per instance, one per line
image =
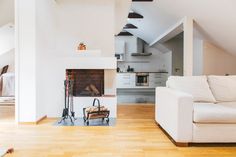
<point x="178" y="144"/>
<point x="33" y="123"/>
<point x="41" y="119"/>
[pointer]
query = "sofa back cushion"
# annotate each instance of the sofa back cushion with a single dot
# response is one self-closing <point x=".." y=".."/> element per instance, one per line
<point x="197" y="86"/>
<point x="223" y="87"/>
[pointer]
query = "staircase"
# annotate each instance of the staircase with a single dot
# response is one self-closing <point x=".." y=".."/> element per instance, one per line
<point x="132" y="15"/>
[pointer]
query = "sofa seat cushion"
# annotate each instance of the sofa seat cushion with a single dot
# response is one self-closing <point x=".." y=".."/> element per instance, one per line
<point x="220" y="113"/>
<point x="197" y="86"/>
<point x="223" y="87"/>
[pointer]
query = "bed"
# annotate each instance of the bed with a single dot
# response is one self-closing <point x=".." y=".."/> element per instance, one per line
<point x="7" y="85"/>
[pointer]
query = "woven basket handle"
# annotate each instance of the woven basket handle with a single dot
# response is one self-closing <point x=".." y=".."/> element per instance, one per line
<point x="98" y="102"/>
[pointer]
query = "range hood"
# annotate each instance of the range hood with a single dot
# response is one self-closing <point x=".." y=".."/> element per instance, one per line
<point x="141" y="54"/>
<point x="136" y="47"/>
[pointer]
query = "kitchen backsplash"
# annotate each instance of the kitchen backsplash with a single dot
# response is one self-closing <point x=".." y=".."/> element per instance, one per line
<point x="157" y="62"/>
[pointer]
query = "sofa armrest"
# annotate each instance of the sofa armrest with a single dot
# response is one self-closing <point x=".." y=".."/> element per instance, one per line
<point x="174" y="112"/>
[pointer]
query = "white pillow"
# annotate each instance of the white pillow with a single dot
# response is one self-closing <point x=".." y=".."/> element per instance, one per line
<point x="223" y="87"/>
<point x="197" y="86"/>
<point x="11" y="68"/>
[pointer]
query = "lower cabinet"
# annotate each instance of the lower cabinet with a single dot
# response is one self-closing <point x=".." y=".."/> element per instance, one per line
<point x="157" y="79"/>
<point x="128" y="92"/>
<point x="126" y="80"/>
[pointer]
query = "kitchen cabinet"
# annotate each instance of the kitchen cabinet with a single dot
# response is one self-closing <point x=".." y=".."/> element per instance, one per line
<point x="126" y="45"/>
<point x="119" y="47"/>
<point x="157" y="79"/>
<point x="126" y="80"/>
<point x="120" y="50"/>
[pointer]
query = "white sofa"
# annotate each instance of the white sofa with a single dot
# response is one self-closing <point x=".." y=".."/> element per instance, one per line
<point x="198" y="109"/>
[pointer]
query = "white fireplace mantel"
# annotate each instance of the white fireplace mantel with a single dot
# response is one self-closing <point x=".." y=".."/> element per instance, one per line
<point x="87" y="59"/>
<point x="89" y="62"/>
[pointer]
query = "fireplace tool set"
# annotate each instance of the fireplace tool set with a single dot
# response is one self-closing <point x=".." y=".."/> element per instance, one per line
<point x="68" y="111"/>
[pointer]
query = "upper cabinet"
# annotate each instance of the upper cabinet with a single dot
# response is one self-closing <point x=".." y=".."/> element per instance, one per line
<point x="133" y="45"/>
<point x="119" y="47"/>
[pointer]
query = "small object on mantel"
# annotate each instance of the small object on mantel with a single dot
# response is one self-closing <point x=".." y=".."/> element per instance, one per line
<point x="81" y="46"/>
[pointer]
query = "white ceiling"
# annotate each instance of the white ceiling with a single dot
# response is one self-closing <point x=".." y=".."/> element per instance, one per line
<point x="215" y="18"/>
<point x="6" y="12"/>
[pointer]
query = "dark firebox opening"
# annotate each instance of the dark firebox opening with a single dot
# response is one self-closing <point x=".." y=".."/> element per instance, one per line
<point x="87" y="82"/>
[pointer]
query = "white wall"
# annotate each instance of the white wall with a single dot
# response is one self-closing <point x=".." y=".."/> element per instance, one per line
<point x="198" y="41"/>
<point x="90" y="21"/>
<point x="122" y="8"/>
<point x="197" y="57"/>
<point x="188" y="46"/>
<point x="7" y="42"/>
<point x="74" y="22"/>
<point x="6" y="12"/>
<point x="176" y="46"/>
<point x="49" y="32"/>
<point x="44" y="45"/>
<point x="26" y="60"/>
<point x="8" y="59"/>
<point x="217" y="61"/>
<point x="209" y="59"/>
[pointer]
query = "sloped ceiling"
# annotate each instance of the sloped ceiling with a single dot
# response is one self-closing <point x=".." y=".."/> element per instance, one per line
<point x="6" y="38"/>
<point x="6" y="12"/>
<point x="216" y="19"/>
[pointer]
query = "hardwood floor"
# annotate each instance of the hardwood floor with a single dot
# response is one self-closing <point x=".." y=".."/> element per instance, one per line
<point x="7" y="113"/>
<point x="135" y="135"/>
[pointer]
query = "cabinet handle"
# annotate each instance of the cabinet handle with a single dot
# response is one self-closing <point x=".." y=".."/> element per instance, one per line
<point x="126" y="83"/>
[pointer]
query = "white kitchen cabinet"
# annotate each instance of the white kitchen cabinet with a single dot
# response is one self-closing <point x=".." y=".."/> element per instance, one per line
<point x="120" y="50"/>
<point x="119" y="47"/>
<point x="126" y="80"/>
<point x="157" y="79"/>
<point x="132" y="45"/>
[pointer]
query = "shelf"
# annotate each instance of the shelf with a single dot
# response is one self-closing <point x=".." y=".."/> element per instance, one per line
<point x="137" y="61"/>
<point x="88" y="53"/>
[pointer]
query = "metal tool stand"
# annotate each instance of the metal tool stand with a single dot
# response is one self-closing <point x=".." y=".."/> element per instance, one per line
<point x="68" y="111"/>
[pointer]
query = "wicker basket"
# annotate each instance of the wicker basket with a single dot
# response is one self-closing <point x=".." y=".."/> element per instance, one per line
<point x="96" y="112"/>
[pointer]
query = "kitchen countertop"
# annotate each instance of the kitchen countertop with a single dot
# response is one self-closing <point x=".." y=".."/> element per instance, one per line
<point x="143" y="72"/>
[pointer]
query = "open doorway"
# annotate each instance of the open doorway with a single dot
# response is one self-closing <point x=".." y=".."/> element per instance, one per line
<point x="140" y="67"/>
<point x="176" y="46"/>
<point x="7" y="61"/>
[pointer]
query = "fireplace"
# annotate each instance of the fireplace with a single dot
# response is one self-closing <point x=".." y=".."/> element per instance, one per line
<point x="87" y="82"/>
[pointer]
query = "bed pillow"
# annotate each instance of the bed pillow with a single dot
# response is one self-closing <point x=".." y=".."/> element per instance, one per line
<point x="197" y="86"/>
<point x="223" y="87"/>
<point x="4" y="69"/>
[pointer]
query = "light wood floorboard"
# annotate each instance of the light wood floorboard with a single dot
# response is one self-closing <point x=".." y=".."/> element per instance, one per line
<point x="135" y="135"/>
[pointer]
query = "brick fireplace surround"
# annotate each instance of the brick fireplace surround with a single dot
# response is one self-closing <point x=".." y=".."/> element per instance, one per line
<point x="87" y="82"/>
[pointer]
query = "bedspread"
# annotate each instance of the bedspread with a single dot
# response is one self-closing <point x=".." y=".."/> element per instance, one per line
<point x="7" y="85"/>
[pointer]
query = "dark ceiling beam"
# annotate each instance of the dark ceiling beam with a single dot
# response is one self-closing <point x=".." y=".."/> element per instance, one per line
<point x="130" y="26"/>
<point x="133" y="15"/>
